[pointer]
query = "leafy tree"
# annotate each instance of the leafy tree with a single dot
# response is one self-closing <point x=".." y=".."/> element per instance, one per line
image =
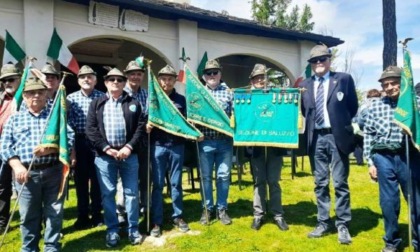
<point x="389" y="54"/>
<point x="274" y="12"/>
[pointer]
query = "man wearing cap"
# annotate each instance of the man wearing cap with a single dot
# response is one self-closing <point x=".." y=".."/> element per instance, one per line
<point x="135" y="75"/>
<point x="86" y="182"/>
<point x="114" y="126"/>
<point x="167" y="154"/>
<point x="266" y="165"/>
<point x="40" y="186"/>
<point x="385" y="150"/>
<point x="329" y="103"/>
<point x="216" y="150"/>
<point x="10" y="80"/>
<point x="52" y="79"/>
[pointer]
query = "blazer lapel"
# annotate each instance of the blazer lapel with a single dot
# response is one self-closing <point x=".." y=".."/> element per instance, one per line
<point x="332" y="85"/>
<point x="311" y="90"/>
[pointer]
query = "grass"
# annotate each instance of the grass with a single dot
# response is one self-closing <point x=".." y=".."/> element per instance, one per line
<point x="300" y="213"/>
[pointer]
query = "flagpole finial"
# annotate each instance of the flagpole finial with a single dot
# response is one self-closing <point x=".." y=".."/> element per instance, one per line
<point x="65" y="73"/>
<point x="405" y="41"/>
<point x="32" y="59"/>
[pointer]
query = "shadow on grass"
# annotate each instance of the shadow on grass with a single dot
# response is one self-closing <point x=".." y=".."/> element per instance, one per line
<point x="301" y="213"/>
<point x="363" y="219"/>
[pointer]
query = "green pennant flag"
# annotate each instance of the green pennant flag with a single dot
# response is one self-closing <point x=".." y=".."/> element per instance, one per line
<point x="56" y="134"/>
<point x="202" y="108"/>
<point x="18" y="97"/>
<point x="200" y="68"/>
<point x="164" y="115"/>
<point x="407" y="113"/>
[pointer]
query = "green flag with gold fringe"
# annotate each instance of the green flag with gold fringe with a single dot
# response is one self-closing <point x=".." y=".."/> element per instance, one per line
<point x="267" y="117"/>
<point x="407" y="112"/>
<point x="164" y="115"/>
<point x="56" y="134"/>
<point x="202" y="108"/>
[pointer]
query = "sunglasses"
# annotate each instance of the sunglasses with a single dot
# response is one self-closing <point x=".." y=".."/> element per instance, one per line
<point x="209" y="73"/>
<point x="119" y="80"/>
<point x="8" y="80"/>
<point x="316" y="60"/>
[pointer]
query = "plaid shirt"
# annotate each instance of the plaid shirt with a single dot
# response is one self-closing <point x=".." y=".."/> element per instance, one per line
<point x="22" y="133"/>
<point x="141" y="96"/>
<point x="114" y="123"/>
<point x="79" y="106"/>
<point x="224" y="97"/>
<point x="380" y="130"/>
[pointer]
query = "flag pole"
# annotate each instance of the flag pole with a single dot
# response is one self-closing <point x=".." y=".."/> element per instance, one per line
<point x="149" y="62"/>
<point x="33" y="158"/>
<point x="409" y="191"/>
<point x="202" y="182"/>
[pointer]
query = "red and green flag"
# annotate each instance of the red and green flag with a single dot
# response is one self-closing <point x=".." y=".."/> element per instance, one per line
<point x="407" y="113"/>
<point x="304" y="75"/>
<point x="164" y="115"/>
<point x="56" y="134"/>
<point x="12" y="51"/>
<point x="57" y="50"/>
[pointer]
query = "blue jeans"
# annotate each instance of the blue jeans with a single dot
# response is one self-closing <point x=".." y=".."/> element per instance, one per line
<point x="166" y="159"/>
<point x="37" y="203"/>
<point x="218" y="154"/>
<point x="107" y="169"/>
<point x="329" y="161"/>
<point x="393" y="175"/>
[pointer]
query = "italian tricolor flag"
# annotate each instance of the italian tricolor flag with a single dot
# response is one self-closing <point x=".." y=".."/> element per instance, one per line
<point x="12" y="51"/>
<point x="304" y="75"/>
<point x="59" y="51"/>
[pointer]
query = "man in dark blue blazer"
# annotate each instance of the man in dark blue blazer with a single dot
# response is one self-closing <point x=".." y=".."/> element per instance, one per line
<point x="329" y="102"/>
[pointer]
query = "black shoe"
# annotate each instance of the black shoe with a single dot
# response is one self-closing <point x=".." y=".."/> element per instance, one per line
<point x="205" y="217"/>
<point x="343" y="235"/>
<point x="97" y="220"/>
<point x="224" y="217"/>
<point x="320" y="230"/>
<point x="82" y="223"/>
<point x="281" y="223"/>
<point x="256" y="223"/>
<point x="389" y="248"/>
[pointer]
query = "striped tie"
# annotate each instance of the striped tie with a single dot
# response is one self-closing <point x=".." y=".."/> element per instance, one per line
<point x="319" y="102"/>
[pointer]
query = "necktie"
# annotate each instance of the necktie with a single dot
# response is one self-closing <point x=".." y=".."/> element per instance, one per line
<point x="319" y="102"/>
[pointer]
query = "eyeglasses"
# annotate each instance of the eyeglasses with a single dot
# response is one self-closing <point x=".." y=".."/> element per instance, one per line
<point x="119" y="80"/>
<point x="316" y="60"/>
<point x="8" y="80"/>
<point x="209" y="73"/>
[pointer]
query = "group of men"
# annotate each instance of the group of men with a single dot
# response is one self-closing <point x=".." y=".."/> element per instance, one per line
<point x="111" y="140"/>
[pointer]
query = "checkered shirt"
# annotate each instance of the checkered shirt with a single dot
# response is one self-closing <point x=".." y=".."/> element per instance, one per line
<point x="114" y="123"/>
<point x="141" y="96"/>
<point x="380" y="128"/>
<point x="79" y="106"/>
<point x="22" y="134"/>
<point x="224" y="97"/>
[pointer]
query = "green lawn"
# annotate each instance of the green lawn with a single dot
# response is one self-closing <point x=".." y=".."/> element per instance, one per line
<point x="300" y="213"/>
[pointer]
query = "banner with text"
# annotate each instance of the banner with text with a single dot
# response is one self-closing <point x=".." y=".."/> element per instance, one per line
<point x="267" y="117"/>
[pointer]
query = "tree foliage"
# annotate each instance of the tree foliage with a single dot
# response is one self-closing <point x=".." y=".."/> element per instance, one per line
<point x="274" y="12"/>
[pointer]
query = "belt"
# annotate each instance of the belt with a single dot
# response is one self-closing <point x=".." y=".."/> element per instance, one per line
<point x="323" y="131"/>
<point x="393" y="152"/>
<point x="39" y="167"/>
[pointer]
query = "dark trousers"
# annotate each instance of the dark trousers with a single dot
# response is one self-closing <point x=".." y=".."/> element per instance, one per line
<point x="358" y="150"/>
<point x="393" y="175"/>
<point x="328" y="161"/>
<point x="5" y="193"/>
<point x="85" y="175"/>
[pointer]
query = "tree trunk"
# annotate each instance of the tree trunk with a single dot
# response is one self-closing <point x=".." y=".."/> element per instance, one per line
<point x="389" y="54"/>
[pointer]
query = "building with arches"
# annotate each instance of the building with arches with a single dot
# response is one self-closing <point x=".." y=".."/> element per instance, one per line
<point x="165" y="28"/>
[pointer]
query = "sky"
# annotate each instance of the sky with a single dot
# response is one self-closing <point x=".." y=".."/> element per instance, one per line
<point x="358" y="23"/>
